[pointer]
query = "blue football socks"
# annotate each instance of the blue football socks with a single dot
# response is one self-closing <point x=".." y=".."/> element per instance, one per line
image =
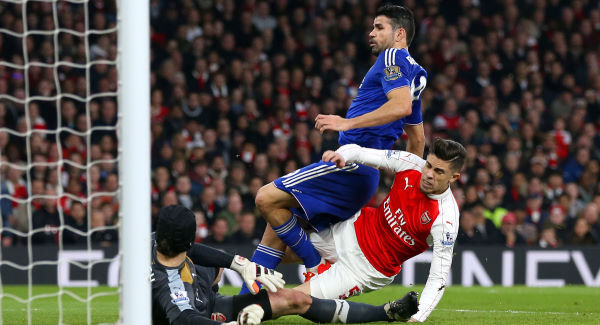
<point x="295" y="238"/>
<point x="267" y="257"/>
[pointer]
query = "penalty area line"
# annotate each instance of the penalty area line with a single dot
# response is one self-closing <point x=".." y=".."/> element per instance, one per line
<point x="513" y="311"/>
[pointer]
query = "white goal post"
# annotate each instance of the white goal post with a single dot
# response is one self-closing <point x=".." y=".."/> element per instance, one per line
<point x="134" y="103"/>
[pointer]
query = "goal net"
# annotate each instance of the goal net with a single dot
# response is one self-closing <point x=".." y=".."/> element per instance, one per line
<point x="73" y="162"/>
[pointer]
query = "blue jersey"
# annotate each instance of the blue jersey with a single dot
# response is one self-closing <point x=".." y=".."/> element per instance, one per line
<point x="394" y="68"/>
<point x="328" y="194"/>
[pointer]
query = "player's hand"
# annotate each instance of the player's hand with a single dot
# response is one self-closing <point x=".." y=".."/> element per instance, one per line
<point x="332" y="156"/>
<point x="331" y="122"/>
<point x="412" y="320"/>
<point x="251" y="315"/>
<point x="251" y="272"/>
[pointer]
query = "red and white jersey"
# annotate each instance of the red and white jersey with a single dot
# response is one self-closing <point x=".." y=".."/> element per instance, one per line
<point x="407" y="222"/>
<point x="399" y="228"/>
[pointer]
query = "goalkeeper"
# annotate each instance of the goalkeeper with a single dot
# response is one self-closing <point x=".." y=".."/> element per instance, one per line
<point x="184" y="290"/>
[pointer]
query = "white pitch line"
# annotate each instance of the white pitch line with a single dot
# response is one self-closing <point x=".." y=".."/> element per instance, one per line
<point x="513" y="311"/>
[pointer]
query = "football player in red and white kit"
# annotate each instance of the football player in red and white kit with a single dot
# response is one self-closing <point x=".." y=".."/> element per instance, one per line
<point x="420" y="211"/>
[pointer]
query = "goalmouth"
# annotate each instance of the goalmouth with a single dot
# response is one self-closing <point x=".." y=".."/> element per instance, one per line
<point x="49" y="50"/>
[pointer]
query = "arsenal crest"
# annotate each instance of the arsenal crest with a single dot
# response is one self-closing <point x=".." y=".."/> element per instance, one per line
<point x="425" y="218"/>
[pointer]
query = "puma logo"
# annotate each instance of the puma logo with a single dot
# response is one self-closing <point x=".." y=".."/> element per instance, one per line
<point x="407" y="185"/>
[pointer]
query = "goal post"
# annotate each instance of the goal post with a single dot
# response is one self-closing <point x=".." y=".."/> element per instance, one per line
<point x="134" y="102"/>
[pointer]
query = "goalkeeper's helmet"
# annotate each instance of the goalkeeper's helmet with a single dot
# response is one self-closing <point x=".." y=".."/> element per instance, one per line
<point x="176" y="227"/>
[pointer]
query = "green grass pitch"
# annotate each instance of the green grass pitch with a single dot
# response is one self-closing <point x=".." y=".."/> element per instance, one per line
<point x="460" y="305"/>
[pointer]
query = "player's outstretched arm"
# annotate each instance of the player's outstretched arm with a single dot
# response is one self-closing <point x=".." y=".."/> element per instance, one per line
<point x="204" y="255"/>
<point x="399" y="105"/>
<point x="382" y="159"/>
<point x="207" y="256"/>
<point x="443" y="233"/>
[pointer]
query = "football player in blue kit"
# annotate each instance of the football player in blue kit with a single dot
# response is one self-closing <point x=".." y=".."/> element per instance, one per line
<point x="387" y="104"/>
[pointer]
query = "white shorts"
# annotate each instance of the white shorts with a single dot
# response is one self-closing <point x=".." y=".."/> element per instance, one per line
<point x="351" y="274"/>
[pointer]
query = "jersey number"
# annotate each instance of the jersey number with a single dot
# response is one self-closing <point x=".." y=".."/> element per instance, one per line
<point x="417" y="89"/>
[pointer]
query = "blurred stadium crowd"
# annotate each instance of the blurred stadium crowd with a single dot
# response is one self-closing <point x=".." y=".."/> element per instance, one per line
<point x="236" y="86"/>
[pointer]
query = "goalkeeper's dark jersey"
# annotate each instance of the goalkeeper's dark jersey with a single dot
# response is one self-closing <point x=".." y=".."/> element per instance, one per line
<point x="184" y="294"/>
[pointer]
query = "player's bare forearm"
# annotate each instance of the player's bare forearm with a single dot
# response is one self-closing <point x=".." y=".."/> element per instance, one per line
<point x="416" y="146"/>
<point x="387" y="113"/>
<point x="416" y="139"/>
<point x="399" y="105"/>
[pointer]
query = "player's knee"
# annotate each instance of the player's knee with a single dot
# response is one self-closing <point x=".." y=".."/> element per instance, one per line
<point x="262" y="200"/>
<point x="289" y="302"/>
<point x="269" y="198"/>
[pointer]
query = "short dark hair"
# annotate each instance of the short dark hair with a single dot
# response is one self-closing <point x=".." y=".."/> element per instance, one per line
<point x="164" y="248"/>
<point x="450" y="151"/>
<point x="400" y="17"/>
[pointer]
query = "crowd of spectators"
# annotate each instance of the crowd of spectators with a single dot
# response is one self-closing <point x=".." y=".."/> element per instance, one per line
<point x="235" y="88"/>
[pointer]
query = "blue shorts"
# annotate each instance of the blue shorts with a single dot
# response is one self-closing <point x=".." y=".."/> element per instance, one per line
<point x="328" y="194"/>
